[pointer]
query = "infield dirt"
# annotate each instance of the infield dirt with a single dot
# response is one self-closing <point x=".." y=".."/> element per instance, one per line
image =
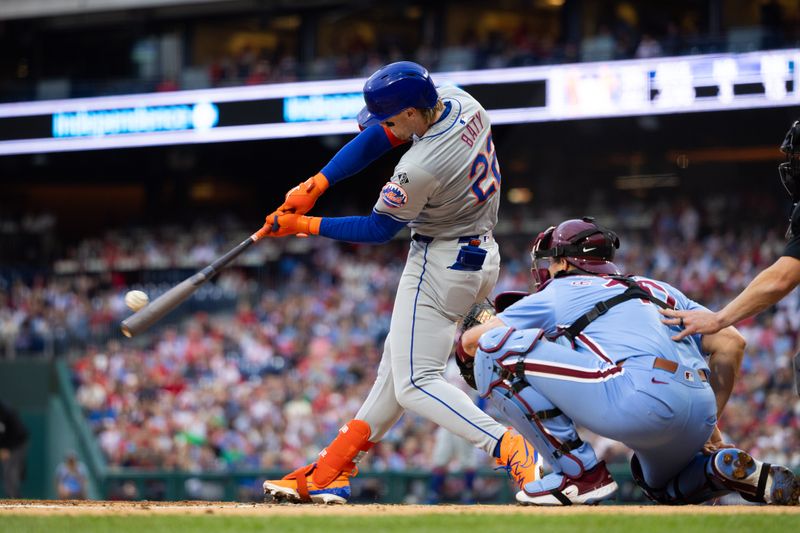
<point x="77" y="507"/>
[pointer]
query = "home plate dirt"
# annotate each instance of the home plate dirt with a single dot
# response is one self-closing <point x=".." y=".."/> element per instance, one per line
<point x="76" y="507"/>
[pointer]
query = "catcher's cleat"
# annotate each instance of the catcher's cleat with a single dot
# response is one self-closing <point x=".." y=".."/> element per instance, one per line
<point x="521" y="462"/>
<point x="594" y="486"/>
<point x="298" y="487"/>
<point x="755" y="481"/>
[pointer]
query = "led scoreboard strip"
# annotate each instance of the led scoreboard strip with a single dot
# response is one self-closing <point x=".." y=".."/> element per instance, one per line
<point x="688" y="84"/>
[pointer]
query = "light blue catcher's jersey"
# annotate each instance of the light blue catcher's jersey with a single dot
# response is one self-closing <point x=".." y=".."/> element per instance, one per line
<point x="629" y="329"/>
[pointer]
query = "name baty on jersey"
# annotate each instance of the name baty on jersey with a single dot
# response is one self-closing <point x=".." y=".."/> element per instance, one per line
<point x="474" y="127"/>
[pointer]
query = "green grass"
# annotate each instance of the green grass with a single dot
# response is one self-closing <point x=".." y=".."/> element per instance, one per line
<point x="470" y="523"/>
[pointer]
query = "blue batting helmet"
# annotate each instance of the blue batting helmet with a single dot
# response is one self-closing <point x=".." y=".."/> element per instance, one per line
<point x="395" y="87"/>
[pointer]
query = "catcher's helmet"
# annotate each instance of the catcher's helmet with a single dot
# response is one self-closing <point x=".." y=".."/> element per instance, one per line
<point x="395" y="87"/>
<point x="580" y="241"/>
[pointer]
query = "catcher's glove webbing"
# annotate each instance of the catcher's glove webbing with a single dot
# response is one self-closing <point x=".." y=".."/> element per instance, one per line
<point x="478" y="314"/>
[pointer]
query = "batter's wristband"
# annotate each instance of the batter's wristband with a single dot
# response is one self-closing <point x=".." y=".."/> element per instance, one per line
<point x="311" y="225"/>
<point x="321" y="182"/>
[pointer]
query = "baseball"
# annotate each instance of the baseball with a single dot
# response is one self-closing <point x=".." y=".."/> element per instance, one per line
<point x="135" y="300"/>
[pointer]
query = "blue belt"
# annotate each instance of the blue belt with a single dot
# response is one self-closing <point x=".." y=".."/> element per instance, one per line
<point x="424" y="238"/>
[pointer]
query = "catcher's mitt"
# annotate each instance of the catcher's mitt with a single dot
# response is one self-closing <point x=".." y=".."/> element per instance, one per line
<point x="478" y="314"/>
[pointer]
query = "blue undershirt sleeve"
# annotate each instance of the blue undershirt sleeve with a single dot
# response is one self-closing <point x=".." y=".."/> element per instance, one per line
<point x="354" y="156"/>
<point x="376" y="228"/>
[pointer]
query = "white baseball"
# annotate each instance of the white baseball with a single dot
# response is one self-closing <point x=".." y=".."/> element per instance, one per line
<point x="135" y="300"/>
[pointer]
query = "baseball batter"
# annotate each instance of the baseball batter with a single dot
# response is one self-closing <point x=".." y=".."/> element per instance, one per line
<point x="589" y="348"/>
<point x="446" y="189"/>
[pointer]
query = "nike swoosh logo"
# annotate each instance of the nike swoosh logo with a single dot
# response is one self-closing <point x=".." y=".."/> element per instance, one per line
<point x="654" y="380"/>
<point x="589" y="249"/>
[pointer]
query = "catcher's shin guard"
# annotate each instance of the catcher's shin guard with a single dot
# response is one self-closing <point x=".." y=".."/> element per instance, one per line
<point x="690" y="486"/>
<point x="343" y="453"/>
<point x="551" y="432"/>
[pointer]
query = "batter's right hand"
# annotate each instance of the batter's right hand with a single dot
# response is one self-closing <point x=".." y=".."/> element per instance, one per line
<point x="280" y="224"/>
<point x="302" y="198"/>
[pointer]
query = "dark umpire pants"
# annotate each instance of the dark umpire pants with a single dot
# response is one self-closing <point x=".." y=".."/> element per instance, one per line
<point x="14" y="471"/>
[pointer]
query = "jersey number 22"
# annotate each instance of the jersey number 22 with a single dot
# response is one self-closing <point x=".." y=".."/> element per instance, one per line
<point x="485" y="172"/>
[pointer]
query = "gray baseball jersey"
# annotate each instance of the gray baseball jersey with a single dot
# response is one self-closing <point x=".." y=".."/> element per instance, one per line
<point x="446" y="186"/>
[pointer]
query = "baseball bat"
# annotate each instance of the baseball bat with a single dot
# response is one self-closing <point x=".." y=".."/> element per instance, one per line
<point x="155" y="310"/>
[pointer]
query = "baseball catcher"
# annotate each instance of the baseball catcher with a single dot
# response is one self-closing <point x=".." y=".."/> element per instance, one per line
<point x="589" y="348"/>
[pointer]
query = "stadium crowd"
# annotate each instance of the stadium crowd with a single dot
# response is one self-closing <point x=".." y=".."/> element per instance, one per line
<point x="263" y="374"/>
<point x="269" y="55"/>
<point x="621" y="36"/>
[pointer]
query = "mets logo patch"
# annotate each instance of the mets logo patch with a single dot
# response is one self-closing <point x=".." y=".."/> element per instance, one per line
<point x="393" y="195"/>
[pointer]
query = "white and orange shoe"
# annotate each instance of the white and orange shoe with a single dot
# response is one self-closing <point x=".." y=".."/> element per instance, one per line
<point x="298" y="487"/>
<point x="520" y="460"/>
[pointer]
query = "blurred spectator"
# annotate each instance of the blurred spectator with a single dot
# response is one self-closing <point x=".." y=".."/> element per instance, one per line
<point x="13" y="450"/>
<point x="259" y="74"/>
<point x="71" y="478"/>
<point x="772" y="23"/>
<point x="671" y="43"/>
<point x="598" y="47"/>
<point x="452" y="451"/>
<point x="167" y="85"/>
<point x="648" y="47"/>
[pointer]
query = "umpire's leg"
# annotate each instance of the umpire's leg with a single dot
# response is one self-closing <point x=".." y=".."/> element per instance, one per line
<point x="14" y="470"/>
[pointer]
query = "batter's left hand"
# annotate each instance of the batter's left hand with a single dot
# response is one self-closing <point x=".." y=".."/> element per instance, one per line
<point x="302" y="198"/>
<point x="280" y="224"/>
<point x="715" y="442"/>
<point x="691" y="322"/>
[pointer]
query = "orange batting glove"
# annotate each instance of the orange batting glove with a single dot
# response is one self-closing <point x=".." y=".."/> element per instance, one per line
<point x="282" y="224"/>
<point x="302" y="198"/>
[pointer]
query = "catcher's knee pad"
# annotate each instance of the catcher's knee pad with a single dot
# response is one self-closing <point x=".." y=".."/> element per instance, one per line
<point x="343" y="453"/>
<point x="499" y="375"/>
<point x="494" y="348"/>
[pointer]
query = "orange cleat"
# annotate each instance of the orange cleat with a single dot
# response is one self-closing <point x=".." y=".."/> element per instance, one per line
<point x="521" y="462"/>
<point x="299" y="487"/>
